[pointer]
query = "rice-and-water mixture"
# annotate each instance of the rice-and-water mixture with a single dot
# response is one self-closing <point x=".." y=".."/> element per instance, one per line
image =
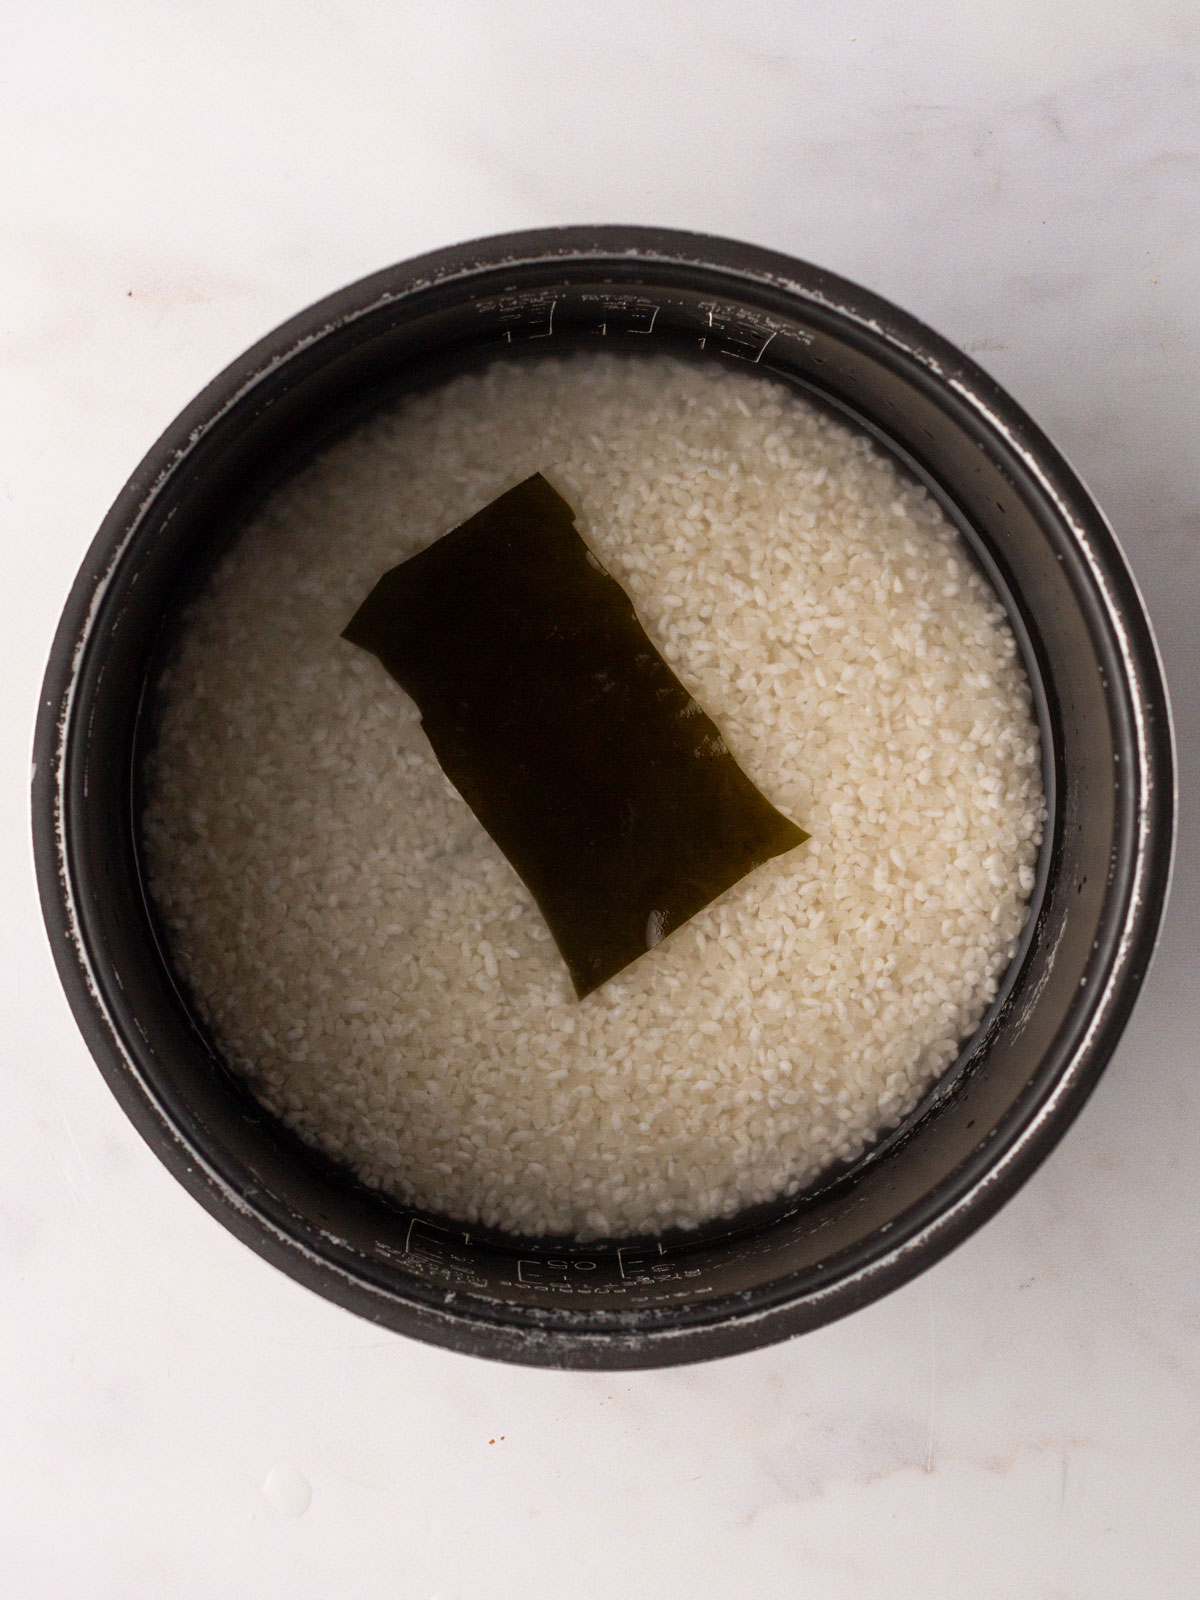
<point x="364" y="953"/>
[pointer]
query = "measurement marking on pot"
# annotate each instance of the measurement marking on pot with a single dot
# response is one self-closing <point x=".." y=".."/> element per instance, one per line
<point x="653" y="320"/>
<point x="625" y="308"/>
<point x="742" y="338"/>
<point x="427" y="1239"/>
<point x="549" y="324"/>
<point x="548" y="1271"/>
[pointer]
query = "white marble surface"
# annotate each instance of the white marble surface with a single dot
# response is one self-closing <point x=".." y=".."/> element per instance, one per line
<point x="180" y="1421"/>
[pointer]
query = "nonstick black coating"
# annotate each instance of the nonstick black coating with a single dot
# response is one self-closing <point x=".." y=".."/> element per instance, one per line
<point x="1104" y="870"/>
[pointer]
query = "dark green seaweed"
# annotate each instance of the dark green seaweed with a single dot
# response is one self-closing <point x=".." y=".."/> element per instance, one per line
<point x="607" y="787"/>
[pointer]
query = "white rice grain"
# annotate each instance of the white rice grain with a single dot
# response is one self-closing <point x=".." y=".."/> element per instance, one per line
<point x="366" y="956"/>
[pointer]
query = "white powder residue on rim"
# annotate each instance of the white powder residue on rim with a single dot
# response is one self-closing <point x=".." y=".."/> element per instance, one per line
<point x="364" y="953"/>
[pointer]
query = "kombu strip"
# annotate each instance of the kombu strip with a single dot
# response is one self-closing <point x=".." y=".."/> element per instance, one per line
<point x="607" y="787"/>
